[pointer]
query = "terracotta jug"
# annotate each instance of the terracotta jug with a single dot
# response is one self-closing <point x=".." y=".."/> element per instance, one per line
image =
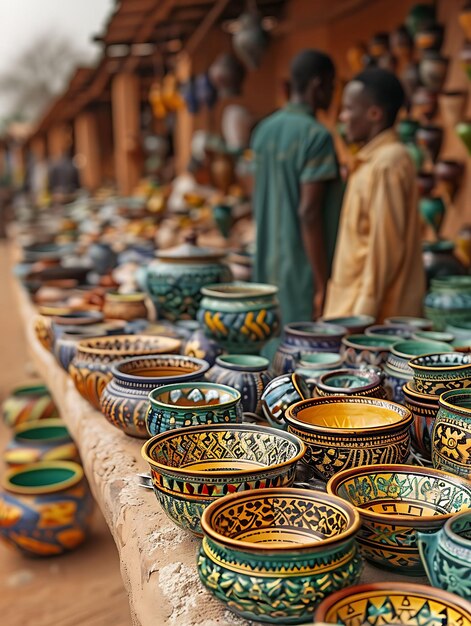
<point x="430" y="138"/>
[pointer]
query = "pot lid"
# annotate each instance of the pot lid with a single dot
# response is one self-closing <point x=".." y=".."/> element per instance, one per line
<point x="189" y="251"/>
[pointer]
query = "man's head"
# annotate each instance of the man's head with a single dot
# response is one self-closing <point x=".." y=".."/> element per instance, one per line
<point x="312" y="78"/>
<point x="371" y="102"/>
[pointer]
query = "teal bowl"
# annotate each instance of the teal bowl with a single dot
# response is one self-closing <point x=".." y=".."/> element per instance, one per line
<point x="192" y="404"/>
<point x="274" y="554"/>
<point x="433" y="335"/>
<point x="436" y="373"/>
<point x="366" y="349"/>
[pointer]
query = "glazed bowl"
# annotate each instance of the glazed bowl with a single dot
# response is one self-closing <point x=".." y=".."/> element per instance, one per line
<point x="280" y="394"/>
<point x="396" y="501"/>
<point x="192" y="467"/>
<point x="417" y="323"/>
<point x="451" y="434"/>
<point x="192" y="404"/>
<point x="312" y="365"/>
<point x="90" y="369"/>
<point x="348" y="431"/>
<point x="436" y="373"/>
<point x="125" y="399"/>
<point x="366" y="349"/>
<point x="399" y="604"/>
<point x="401" y="331"/>
<point x="424" y="408"/>
<point x="350" y="383"/>
<point x="272" y="555"/>
<point x="353" y="323"/>
<point x="433" y="335"/>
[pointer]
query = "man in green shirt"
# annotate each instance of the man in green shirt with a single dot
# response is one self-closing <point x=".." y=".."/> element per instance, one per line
<point x="297" y="192"/>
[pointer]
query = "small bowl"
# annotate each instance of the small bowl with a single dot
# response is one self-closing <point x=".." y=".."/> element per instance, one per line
<point x="192" y="404"/>
<point x="436" y="373"/>
<point x="401" y="604"/>
<point x="311" y="366"/>
<point x="353" y="323"/>
<point x="350" y="383"/>
<point x="401" y="331"/>
<point x="280" y="394"/>
<point x="349" y="431"/>
<point x="191" y="467"/>
<point x="424" y="409"/>
<point x="366" y="349"/>
<point x="420" y="323"/>
<point x="394" y="502"/>
<point x="271" y="555"/>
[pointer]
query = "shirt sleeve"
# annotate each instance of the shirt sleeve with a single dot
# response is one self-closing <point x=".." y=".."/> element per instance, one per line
<point x="389" y="204"/>
<point x="320" y="158"/>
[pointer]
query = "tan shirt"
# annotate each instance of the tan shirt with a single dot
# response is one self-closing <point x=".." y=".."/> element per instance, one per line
<point x="378" y="268"/>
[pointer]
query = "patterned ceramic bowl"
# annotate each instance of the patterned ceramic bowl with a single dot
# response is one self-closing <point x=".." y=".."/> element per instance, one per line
<point x="191" y="467"/>
<point x="401" y="331"/>
<point x="433" y="335"/>
<point x="424" y="408"/>
<point x="272" y="555"/>
<point x="436" y="373"/>
<point x="280" y="394"/>
<point x="350" y="431"/>
<point x="366" y="349"/>
<point x="401" y="604"/>
<point x="350" y="383"/>
<point x="451" y="434"/>
<point x="192" y="404"/>
<point x="417" y="323"/>
<point x="353" y="323"/>
<point x="396" y="501"/>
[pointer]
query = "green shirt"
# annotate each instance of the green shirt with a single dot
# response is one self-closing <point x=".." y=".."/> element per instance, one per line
<point x="290" y="148"/>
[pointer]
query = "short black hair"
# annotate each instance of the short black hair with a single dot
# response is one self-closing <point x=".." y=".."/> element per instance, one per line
<point x="385" y="90"/>
<point x="309" y="64"/>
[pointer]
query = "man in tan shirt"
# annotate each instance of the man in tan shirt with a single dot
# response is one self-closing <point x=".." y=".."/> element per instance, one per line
<point x="378" y="268"/>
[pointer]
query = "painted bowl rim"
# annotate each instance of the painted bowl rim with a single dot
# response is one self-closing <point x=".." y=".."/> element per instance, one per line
<point x="223" y="360"/>
<point x="385" y="518"/>
<point x="424" y="591"/>
<point x="371" y="330"/>
<point x="115" y="296"/>
<point x="416" y="365"/>
<point x="235" y="394"/>
<point x="449" y="528"/>
<point x="44" y="489"/>
<point x="262" y="548"/>
<point x="350" y="320"/>
<point x="422" y="398"/>
<point x="403" y="413"/>
<point x="412" y="320"/>
<point x="238" y="290"/>
<point x="386" y="346"/>
<point x="372" y="380"/>
<point x="445" y="400"/>
<point x="405" y="355"/>
<point x="131" y="378"/>
<point x="295" y="328"/>
<point x="182" y="471"/>
<point x="83" y="347"/>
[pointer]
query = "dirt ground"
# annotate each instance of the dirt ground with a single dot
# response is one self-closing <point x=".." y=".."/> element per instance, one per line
<point x="83" y="588"/>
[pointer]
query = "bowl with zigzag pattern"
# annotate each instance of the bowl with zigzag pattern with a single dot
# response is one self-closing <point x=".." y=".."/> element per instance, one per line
<point x="436" y="373"/>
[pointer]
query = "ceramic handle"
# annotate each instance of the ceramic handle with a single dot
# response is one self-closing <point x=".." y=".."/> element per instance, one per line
<point x="427" y="544"/>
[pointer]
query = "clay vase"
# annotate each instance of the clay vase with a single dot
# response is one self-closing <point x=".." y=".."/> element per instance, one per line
<point x="45" y="508"/>
<point x="125" y="306"/>
<point x="433" y="70"/>
<point x="430" y="38"/>
<point x="425" y="183"/>
<point x="406" y="129"/>
<point x="449" y="175"/>
<point x="432" y="211"/>
<point x="440" y="261"/>
<point x="430" y="138"/>
<point x="463" y="130"/>
<point x="222" y="172"/>
<point x="465" y="19"/>
<point x="250" y="40"/>
<point x="424" y="103"/>
<point x="227" y="75"/>
<point x="419" y="17"/>
<point x="453" y="106"/>
<point x="28" y="403"/>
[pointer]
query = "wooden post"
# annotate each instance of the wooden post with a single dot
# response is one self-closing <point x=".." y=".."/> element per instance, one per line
<point x="87" y="150"/>
<point x="125" y="102"/>
<point x="184" y="123"/>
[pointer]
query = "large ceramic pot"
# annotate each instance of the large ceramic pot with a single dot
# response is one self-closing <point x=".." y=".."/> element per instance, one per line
<point x="451" y="435"/>
<point x="90" y="369"/>
<point x="45" y="508"/>
<point x="420" y="16"/>
<point x="350" y="383"/>
<point x="350" y="431"/>
<point x="396" y="501"/>
<point x="430" y="138"/>
<point x="241" y="317"/>
<point x="174" y="281"/>
<point x="28" y="403"/>
<point x="125" y="399"/>
<point x="192" y="404"/>
<point x="366" y="349"/>
<point x="439" y="260"/>
<point x="305" y="338"/>
<point x="448" y="301"/>
<point x="125" y="306"/>
<point x="446" y="555"/>
<point x="424" y="408"/>
<point x="436" y="373"/>
<point x="217" y="460"/>
<point x="304" y="552"/>
<point x="247" y="373"/>
<point x="43" y="440"/>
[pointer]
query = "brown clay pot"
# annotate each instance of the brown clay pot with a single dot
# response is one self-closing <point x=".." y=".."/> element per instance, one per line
<point x="430" y="138"/>
<point x="453" y="106"/>
<point x="465" y="19"/>
<point x="125" y="306"/>
<point x="433" y="69"/>
<point x="430" y="38"/>
<point x="424" y="103"/>
<point x="426" y="183"/>
<point x="449" y="175"/>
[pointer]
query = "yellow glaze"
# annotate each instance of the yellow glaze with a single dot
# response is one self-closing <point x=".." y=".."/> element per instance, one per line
<point x="349" y="416"/>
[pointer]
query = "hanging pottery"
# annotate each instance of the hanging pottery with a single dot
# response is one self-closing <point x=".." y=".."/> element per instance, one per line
<point x="206" y="93"/>
<point x="453" y="106"/>
<point x="190" y="96"/>
<point x="425" y="183"/>
<point x="432" y="211"/>
<point x="465" y="19"/>
<point x="250" y="40"/>
<point x="420" y="16"/>
<point x="433" y="70"/>
<point x="430" y="138"/>
<point x="465" y="58"/>
<point x="379" y="45"/>
<point x="356" y="57"/>
<point x="227" y="75"/>
<point x="402" y="45"/>
<point x="463" y="130"/>
<point x="430" y="38"/>
<point x="449" y="175"/>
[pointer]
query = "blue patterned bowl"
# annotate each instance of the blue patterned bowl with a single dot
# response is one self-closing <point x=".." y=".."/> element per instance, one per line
<point x="280" y="394"/>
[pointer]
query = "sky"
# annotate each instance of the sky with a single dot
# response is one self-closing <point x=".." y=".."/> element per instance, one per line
<point x="22" y="20"/>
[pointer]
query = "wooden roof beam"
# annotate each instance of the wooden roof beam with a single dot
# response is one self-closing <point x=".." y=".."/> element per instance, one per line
<point x="203" y="29"/>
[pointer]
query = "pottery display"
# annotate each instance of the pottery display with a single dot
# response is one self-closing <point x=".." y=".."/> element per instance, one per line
<point x="366" y="349"/>
<point x="433" y="335"/>
<point x="436" y="373"/>
<point x="42" y="440"/>
<point x="350" y="383"/>
<point x="430" y="138"/>
<point x="304" y="338"/>
<point x="192" y="467"/>
<point x="440" y="261"/>
<point x="350" y="431"/>
<point x="241" y="317"/>
<point x="125" y="306"/>
<point x="451" y="435"/>
<point x="28" y="403"/>
<point x="200" y="346"/>
<point x="45" y="508"/>
<point x="250" y="40"/>
<point x="280" y="394"/>
<point x="400" y="331"/>
<point x="463" y="130"/>
<point x="272" y="555"/>
<point x="227" y="74"/>
<point x="424" y="408"/>
<point x="453" y="106"/>
<point x="125" y="399"/>
<point x="402" y="604"/>
<point x="312" y="365"/>
<point x="247" y="373"/>
<point x="461" y="331"/>
<point x="424" y="103"/>
<point x="416" y="322"/>
<point x="90" y="369"/>
<point x="394" y="503"/>
<point x="446" y="555"/>
<point x="352" y="323"/>
<point x="174" y="280"/>
<point x="185" y="404"/>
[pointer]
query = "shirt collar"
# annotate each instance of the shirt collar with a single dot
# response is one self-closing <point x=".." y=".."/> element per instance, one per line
<point x="384" y="138"/>
<point x="298" y="107"/>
